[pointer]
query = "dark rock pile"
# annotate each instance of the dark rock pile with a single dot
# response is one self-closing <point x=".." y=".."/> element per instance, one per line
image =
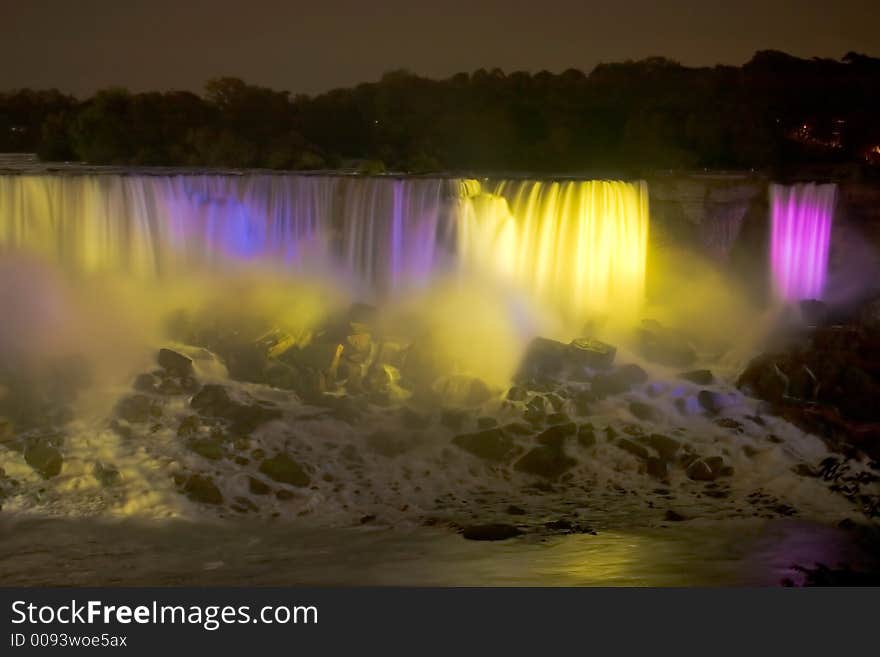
<point x="826" y="379"/>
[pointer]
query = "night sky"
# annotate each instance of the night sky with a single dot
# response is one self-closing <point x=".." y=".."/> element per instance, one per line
<point x="307" y="47"/>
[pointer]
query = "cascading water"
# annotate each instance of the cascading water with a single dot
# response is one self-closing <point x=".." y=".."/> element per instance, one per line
<point x="801" y="232"/>
<point x="578" y="246"/>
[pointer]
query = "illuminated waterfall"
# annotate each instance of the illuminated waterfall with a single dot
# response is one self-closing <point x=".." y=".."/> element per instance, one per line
<point x="578" y="246"/>
<point x="801" y="232"/>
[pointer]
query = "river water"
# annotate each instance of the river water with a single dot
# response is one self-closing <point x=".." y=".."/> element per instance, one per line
<point x="44" y="552"/>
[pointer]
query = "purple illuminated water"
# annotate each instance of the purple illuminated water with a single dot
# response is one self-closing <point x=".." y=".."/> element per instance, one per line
<point x="801" y="230"/>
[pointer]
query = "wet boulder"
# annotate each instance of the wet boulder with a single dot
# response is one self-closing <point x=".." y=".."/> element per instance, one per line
<point x="491" y="444"/>
<point x="214" y="401"/>
<point x="643" y="411"/>
<point x="586" y="435"/>
<point x="618" y="381"/>
<point x="700" y="377"/>
<point x="491" y="532"/>
<point x="209" y="448"/>
<point x="665" y="446"/>
<point x="765" y="379"/>
<point x="174" y="363"/>
<point x="711" y="401"/>
<point x="543" y="359"/>
<point x="657" y="468"/>
<point x="258" y="487"/>
<point x="202" y="489"/>
<point x="283" y="469"/>
<point x="545" y="461"/>
<point x="44" y="457"/>
<point x="637" y="450"/>
<point x="137" y="409"/>
<point x="555" y="436"/>
<point x="106" y="474"/>
<point x="589" y="352"/>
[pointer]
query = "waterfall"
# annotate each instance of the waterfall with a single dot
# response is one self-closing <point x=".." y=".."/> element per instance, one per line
<point x="578" y="246"/>
<point x="801" y="231"/>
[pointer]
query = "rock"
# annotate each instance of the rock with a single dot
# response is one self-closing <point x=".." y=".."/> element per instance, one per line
<point x="536" y="410"/>
<point x="718" y="466"/>
<point x="491" y="444"/>
<point x="555" y="436"/>
<point x="665" y="346"/>
<point x="243" y="505"/>
<point x="729" y="423"/>
<point x="711" y="401"/>
<point x="665" y="446"/>
<point x="246" y="418"/>
<point x="657" y="468"/>
<point x="137" y="409"/>
<point x="588" y="352"/>
<point x="643" y="411"/>
<point x="518" y="429"/>
<point x="461" y="390"/>
<point x="700" y="377"/>
<point x="514" y="510"/>
<point x="145" y="383"/>
<point x="803" y="385"/>
<point x="174" y="363"/>
<point x="285" y="470"/>
<point x="544" y="358"/>
<point x="317" y="356"/>
<point x="586" y="435"/>
<point x="258" y="487"/>
<point x="486" y="422"/>
<point x="201" y="488"/>
<point x="633" y="448"/>
<point x="545" y="461"/>
<point x="583" y="400"/>
<point x="563" y="526"/>
<point x="699" y="470"/>
<point x="557" y="418"/>
<point x="208" y="448"/>
<point x="517" y="393"/>
<point x="107" y="474"/>
<point x="618" y="381"/>
<point x="493" y="532"/>
<point x="764" y="379"/>
<point x="212" y="399"/>
<point x="189" y="426"/>
<point x="44" y="458"/>
<point x="673" y="516"/>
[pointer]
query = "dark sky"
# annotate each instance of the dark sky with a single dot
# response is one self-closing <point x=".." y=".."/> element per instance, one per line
<point x="307" y="47"/>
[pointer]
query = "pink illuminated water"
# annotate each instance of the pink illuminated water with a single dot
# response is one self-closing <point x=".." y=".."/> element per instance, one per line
<point x="801" y="232"/>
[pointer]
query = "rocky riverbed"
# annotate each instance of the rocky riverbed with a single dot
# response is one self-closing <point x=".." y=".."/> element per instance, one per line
<point x="349" y="426"/>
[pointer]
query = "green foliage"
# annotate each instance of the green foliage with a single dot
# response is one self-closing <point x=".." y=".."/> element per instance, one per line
<point x="628" y="116"/>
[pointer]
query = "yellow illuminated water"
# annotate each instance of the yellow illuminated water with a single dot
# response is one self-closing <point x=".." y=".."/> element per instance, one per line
<point x="578" y="245"/>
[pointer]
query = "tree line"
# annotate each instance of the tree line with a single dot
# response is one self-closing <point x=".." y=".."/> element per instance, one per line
<point x="647" y="114"/>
